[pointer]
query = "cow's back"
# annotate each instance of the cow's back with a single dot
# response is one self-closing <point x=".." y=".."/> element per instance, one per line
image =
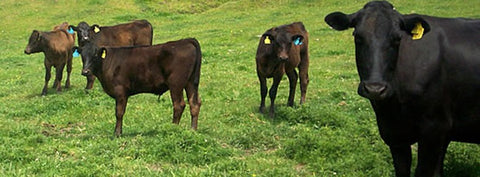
<point x="137" y="33"/>
<point x="64" y="26"/>
<point x="59" y="41"/>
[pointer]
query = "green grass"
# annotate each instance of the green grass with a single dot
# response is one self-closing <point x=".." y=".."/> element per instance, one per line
<point x="71" y="133"/>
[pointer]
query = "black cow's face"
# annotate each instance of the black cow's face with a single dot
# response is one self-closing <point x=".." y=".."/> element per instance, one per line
<point x="90" y="55"/>
<point x="85" y="33"/>
<point x="34" y="43"/>
<point x="378" y="33"/>
<point x="281" y="42"/>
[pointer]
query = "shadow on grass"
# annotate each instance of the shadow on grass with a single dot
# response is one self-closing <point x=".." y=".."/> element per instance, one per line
<point x="50" y="92"/>
<point x="282" y="113"/>
<point x="149" y="133"/>
<point x="461" y="168"/>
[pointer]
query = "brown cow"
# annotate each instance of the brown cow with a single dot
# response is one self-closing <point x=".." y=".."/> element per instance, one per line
<point x="281" y="50"/>
<point x="65" y="26"/>
<point x="136" y="33"/>
<point x="126" y="71"/>
<point x="57" y="47"/>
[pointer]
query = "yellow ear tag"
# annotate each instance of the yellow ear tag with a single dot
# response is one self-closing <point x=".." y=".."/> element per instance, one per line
<point x="417" y="32"/>
<point x="267" y="40"/>
<point x="96" y="29"/>
<point x="104" y="54"/>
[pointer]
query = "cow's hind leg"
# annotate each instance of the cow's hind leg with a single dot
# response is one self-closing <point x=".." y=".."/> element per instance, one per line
<point x="303" y="72"/>
<point x="178" y="103"/>
<point x="69" y="71"/>
<point x="402" y="160"/>
<point x="58" y="77"/>
<point x="292" y="78"/>
<point x="120" y="106"/>
<point x="194" y="102"/>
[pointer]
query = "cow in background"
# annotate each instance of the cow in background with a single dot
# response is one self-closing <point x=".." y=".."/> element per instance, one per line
<point x="126" y="71"/>
<point x="280" y="50"/>
<point x="65" y="26"/>
<point x="422" y="77"/>
<point x="136" y="33"/>
<point x="57" y="46"/>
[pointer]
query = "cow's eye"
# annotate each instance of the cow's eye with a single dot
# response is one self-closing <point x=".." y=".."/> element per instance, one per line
<point x="395" y="40"/>
<point x="358" y="40"/>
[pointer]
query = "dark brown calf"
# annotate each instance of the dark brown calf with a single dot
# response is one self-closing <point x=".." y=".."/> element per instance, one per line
<point x="126" y="71"/>
<point x="136" y="33"/>
<point x="57" y="47"/>
<point x="281" y="50"/>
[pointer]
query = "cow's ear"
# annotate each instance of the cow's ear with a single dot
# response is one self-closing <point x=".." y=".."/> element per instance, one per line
<point x="415" y="26"/>
<point x="267" y="38"/>
<point x="297" y="40"/>
<point x="37" y="34"/>
<point x="340" y="21"/>
<point x="102" y="53"/>
<point x="74" y="28"/>
<point x="76" y="51"/>
<point x="95" y="28"/>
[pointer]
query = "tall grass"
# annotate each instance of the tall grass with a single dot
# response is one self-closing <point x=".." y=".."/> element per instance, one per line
<point x="71" y="133"/>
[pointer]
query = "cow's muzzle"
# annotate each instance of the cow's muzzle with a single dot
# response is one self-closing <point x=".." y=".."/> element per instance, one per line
<point x="86" y="72"/>
<point x="373" y="90"/>
<point x="27" y="51"/>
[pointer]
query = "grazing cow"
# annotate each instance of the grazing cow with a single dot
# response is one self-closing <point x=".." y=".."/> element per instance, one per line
<point x="136" y="33"/>
<point x="280" y="50"/>
<point x="422" y="77"/>
<point x="126" y="71"/>
<point x="57" y="46"/>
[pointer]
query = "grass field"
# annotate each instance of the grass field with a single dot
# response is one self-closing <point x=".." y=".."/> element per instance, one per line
<point x="71" y="133"/>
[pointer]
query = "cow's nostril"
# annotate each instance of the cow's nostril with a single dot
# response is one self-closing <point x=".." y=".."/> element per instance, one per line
<point x="375" y="88"/>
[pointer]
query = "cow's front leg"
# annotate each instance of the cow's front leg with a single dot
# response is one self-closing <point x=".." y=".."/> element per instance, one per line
<point x="292" y="78"/>
<point x="120" y="106"/>
<point x="431" y="153"/>
<point x="263" y="92"/>
<point x="90" y="81"/>
<point x="48" y="74"/>
<point x="402" y="159"/>
<point x="273" y="93"/>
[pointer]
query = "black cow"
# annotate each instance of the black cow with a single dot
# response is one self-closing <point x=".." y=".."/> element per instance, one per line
<point x="136" y="33"/>
<point x="422" y="77"/>
<point x="56" y="45"/>
<point x="280" y="50"/>
<point x="126" y="71"/>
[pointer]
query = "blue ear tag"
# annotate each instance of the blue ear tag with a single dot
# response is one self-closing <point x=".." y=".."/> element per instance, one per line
<point x="70" y="30"/>
<point x="75" y="53"/>
<point x="297" y="41"/>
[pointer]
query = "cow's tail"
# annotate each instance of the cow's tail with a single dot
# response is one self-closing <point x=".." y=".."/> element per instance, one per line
<point x="198" y="63"/>
<point x="148" y="26"/>
<point x="151" y="32"/>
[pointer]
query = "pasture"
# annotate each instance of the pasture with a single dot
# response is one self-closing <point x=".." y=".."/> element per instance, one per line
<point x="71" y="133"/>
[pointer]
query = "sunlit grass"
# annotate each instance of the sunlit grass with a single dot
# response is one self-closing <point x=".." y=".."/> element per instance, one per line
<point x="71" y="133"/>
